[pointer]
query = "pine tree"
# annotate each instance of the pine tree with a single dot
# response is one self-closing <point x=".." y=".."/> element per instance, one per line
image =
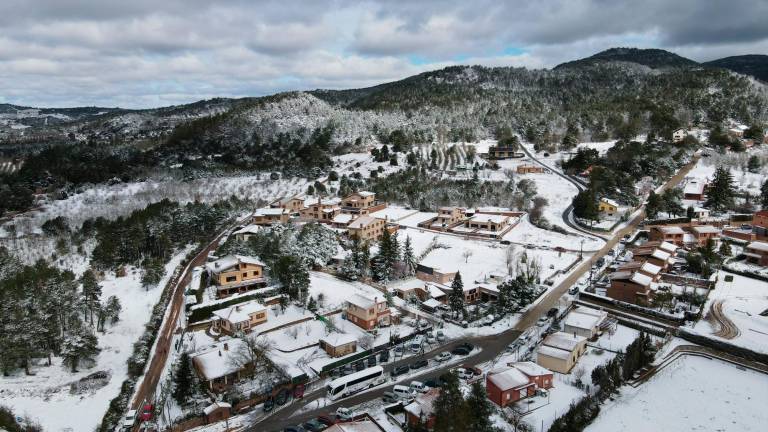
<point x="113" y="308"/>
<point x="409" y="260"/>
<point x="91" y="293"/>
<point x="183" y="380"/>
<point x="311" y="304"/>
<point x="690" y="212"/>
<point x="450" y="409"/>
<point x="78" y="345"/>
<point x="721" y="191"/>
<point x="725" y="249"/>
<point x="653" y="206"/>
<point x="753" y="164"/>
<point x="456" y="297"/>
<point x="764" y="194"/>
<point x="479" y="410"/>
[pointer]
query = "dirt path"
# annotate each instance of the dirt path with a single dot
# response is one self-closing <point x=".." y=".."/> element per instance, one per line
<point x="727" y="329"/>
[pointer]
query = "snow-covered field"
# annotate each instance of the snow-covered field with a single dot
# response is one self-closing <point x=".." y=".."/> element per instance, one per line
<point x="691" y="394"/>
<point x="737" y="163"/>
<point x="744" y="300"/>
<point x="45" y="396"/>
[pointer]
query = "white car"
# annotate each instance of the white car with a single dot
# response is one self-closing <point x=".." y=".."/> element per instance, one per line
<point x="464" y="374"/>
<point x="130" y="420"/>
<point x="344" y="414"/>
<point x="542" y="321"/>
<point x="443" y="356"/>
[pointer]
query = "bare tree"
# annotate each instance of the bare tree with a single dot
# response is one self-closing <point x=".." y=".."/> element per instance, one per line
<point x="252" y="355"/>
<point x="510" y="258"/>
<point x="365" y="341"/>
<point x="466" y="254"/>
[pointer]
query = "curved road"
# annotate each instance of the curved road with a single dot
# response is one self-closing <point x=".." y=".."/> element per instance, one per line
<point x="568" y="212"/>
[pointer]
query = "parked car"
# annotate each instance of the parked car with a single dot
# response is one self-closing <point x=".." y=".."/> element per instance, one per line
<point x="296" y="428"/>
<point x="444" y="307"/>
<point x="327" y="420"/>
<point x="399" y="351"/>
<point x="424" y="324"/>
<point x="348" y="369"/>
<point x="434" y="383"/>
<point x="314" y="426"/>
<point x="269" y="404"/>
<point x="461" y="351"/>
<point x="389" y="397"/>
<point x="474" y="370"/>
<point x="130" y="419"/>
<point x="440" y="336"/>
<point x="415" y="344"/>
<point x="419" y="364"/>
<point x="384" y="356"/>
<point x="443" y="356"/>
<point x="464" y="374"/>
<point x="552" y="312"/>
<point x="573" y="290"/>
<point x="418" y="387"/>
<point x="403" y="393"/>
<point x="344" y="414"/>
<point x="146" y="412"/>
<point x="542" y="321"/>
<point x="431" y="337"/>
<point x="372" y="361"/>
<point x="400" y="370"/>
<point x="359" y="365"/>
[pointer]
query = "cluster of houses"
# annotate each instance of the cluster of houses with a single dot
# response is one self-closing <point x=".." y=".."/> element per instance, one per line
<point x="635" y="281"/>
<point x="480" y="222"/>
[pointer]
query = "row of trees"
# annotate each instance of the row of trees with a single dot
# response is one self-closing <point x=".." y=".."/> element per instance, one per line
<point x="47" y="312"/>
<point x="455" y="413"/>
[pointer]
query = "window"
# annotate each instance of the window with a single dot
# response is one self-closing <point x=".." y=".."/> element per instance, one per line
<point x="255" y="272"/>
<point x="231" y="278"/>
<point x="245" y="274"/>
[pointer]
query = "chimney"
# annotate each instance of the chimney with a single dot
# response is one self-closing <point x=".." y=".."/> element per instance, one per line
<point x="237" y="308"/>
<point x="219" y="353"/>
<point x="226" y="346"/>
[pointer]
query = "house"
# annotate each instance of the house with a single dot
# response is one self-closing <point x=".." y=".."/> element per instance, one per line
<point x="700" y="213"/>
<point x="410" y="287"/>
<point x="757" y="252"/>
<point x="517" y="381"/>
<point x="502" y="152"/>
<point x="630" y="287"/>
<point x="422" y="409"/>
<point x="361" y="203"/>
<point x="643" y="267"/>
<point x="342" y="220"/>
<point x="560" y="351"/>
<point x="240" y="317"/>
<point x="245" y="233"/>
<point x="270" y="216"/>
<point x="737" y="131"/>
<point x="488" y="222"/>
<point x="217" y="411"/>
<point x="235" y="274"/>
<point x="472" y="293"/>
<point x="760" y="223"/>
<point x="447" y="216"/>
<point x="702" y="233"/>
<point x="219" y="366"/>
<point x="321" y="210"/>
<point x="584" y="322"/>
<point x="654" y="255"/>
<point x="608" y="207"/>
<point x="679" y="135"/>
<point x="338" y="344"/>
<point x="367" y="313"/>
<point x="364" y="425"/>
<point x="366" y="228"/>
<point x="694" y="190"/>
<point x="746" y="234"/>
<point x="529" y="169"/>
<point x="436" y="275"/>
<point x="293" y="204"/>
<point x="671" y="234"/>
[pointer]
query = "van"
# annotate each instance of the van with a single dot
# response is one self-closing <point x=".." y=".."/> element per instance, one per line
<point x="415" y="344"/>
<point x="130" y="419"/>
<point x="402" y="392"/>
<point x="389" y="397"/>
<point x="418" y="387"/>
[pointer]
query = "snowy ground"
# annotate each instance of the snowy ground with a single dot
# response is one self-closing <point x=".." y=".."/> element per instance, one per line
<point x="121" y="199"/>
<point x="336" y="291"/>
<point x="737" y="163"/>
<point x="45" y="396"/>
<point x="691" y="394"/>
<point x="745" y="299"/>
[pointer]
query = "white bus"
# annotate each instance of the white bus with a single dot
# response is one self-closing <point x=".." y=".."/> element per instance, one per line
<point x="353" y="383"/>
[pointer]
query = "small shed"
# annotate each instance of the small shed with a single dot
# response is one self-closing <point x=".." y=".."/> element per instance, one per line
<point x="338" y="344"/>
<point x="217" y="412"/>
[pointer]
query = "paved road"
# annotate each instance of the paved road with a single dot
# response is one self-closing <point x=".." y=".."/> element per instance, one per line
<point x="491" y="346"/>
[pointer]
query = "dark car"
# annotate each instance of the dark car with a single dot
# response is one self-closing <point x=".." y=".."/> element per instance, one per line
<point x="326" y="420"/>
<point x="371" y="361"/>
<point x="384" y="356"/>
<point x="552" y="312"/>
<point x="314" y="426"/>
<point x="268" y="405"/>
<point x="400" y="370"/>
<point x="296" y="428"/>
<point x="460" y="350"/>
<point x="434" y="383"/>
<point x="360" y="365"/>
<point x="348" y="369"/>
<point x="419" y="364"/>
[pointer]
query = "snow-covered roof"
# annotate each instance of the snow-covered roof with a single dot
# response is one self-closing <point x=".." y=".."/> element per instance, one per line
<point x="230" y="261"/>
<point x="563" y="341"/>
<point x="759" y="246"/>
<point x="248" y="229"/>
<point x="609" y="202"/>
<point x="357" y="426"/>
<point x="435" y="291"/>
<point x="650" y="268"/>
<point x="214" y="406"/>
<point x="694" y="187"/>
<point x="493" y="218"/>
<point x="431" y="303"/>
<point x="362" y="222"/>
<point x="668" y="247"/>
<point x="705" y="229"/>
<point x="554" y="352"/>
<point x="366" y="193"/>
<point x="361" y="302"/>
<point x="218" y="361"/>
<point x="338" y="339"/>
<point x="407" y="284"/>
<point x="342" y="218"/>
<point x="423" y="405"/>
<point x="671" y="230"/>
<point x="660" y="254"/>
<point x="240" y="312"/>
<point x="508" y="378"/>
<point x="269" y="211"/>
<point x="641" y="279"/>
<point x="584" y="319"/>
<point x="531" y="369"/>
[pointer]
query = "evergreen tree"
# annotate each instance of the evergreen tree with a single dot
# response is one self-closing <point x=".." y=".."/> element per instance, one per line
<point x="450" y="409"/>
<point x="690" y="212"/>
<point x="672" y="204"/>
<point x="456" y="296"/>
<point x="725" y="249"/>
<point x="764" y="194"/>
<point x="113" y="309"/>
<point x="721" y="191"/>
<point x="585" y="205"/>
<point x="91" y="293"/>
<point x="312" y="304"/>
<point x="78" y="345"/>
<point x="292" y="275"/>
<point x="409" y="260"/>
<point x="479" y="410"/>
<point x="153" y="273"/>
<point x="653" y="206"/>
<point x="753" y="164"/>
<point x="183" y="380"/>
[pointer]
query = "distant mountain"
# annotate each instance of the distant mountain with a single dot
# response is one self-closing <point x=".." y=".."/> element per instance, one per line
<point x="755" y="65"/>
<point x="653" y="58"/>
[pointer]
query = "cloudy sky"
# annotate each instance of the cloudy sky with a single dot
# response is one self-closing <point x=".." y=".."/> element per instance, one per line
<point x="147" y="53"/>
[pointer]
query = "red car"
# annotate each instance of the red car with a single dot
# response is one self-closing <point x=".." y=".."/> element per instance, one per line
<point x="147" y="411"/>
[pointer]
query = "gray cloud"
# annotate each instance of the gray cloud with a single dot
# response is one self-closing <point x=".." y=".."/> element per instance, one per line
<point x="149" y="53"/>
